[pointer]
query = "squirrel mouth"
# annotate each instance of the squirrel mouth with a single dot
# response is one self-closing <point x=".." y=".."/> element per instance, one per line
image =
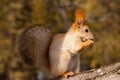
<point x="84" y="40"/>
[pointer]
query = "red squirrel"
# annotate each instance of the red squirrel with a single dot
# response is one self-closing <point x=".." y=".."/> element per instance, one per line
<point x="56" y="55"/>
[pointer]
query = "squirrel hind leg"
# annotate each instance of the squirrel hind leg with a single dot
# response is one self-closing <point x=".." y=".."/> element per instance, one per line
<point x="68" y="74"/>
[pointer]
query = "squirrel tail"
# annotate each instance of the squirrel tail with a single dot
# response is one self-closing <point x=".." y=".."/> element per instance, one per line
<point x="34" y="45"/>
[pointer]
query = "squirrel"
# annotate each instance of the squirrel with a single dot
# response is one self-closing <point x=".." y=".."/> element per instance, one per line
<point x="56" y="55"/>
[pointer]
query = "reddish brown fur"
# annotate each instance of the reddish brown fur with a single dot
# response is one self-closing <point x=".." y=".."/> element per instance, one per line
<point x="59" y="57"/>
<point x="65" y="48"/>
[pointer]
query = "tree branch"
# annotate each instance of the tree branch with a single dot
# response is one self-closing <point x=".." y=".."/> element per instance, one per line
<point x="111" y="72"/>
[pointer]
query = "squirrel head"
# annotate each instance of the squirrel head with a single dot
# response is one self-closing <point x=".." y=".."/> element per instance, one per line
<point x="82" y="30"/>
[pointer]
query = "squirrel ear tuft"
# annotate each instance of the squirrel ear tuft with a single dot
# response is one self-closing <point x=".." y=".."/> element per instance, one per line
<point x="79" y="16"/>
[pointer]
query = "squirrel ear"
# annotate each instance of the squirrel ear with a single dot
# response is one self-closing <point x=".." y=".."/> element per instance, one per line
<point x="79" y="16"/>
<point x="80" y="21"/>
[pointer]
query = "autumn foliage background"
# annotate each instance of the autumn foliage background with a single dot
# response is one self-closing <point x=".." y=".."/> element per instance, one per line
<point x="103" y="17"/>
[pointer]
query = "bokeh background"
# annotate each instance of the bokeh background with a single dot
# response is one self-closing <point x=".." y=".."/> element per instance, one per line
<point x="103" y="17"/>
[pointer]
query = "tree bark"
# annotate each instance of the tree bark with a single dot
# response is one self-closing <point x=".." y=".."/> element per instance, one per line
<point x="109" y="72"/>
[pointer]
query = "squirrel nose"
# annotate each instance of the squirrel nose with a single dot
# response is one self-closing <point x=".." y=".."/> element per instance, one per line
<point x="92" y="38"/>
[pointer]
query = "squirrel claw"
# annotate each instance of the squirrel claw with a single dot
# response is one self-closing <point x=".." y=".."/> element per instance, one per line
<point x="91" y="41"/>
<point x="88" y="43"/>
<point x="68" y="74"/>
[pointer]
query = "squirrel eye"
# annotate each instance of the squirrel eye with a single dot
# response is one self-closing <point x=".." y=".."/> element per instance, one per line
<point x="86" y="30"/>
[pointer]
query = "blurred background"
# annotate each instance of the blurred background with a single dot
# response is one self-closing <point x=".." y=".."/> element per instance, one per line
<point x="102" y="16"/>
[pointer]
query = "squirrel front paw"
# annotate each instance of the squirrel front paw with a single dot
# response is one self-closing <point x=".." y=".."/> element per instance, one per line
<point x="88" y="43"/>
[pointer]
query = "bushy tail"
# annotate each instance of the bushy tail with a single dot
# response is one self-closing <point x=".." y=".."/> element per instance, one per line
<point x="34" y="45"/>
